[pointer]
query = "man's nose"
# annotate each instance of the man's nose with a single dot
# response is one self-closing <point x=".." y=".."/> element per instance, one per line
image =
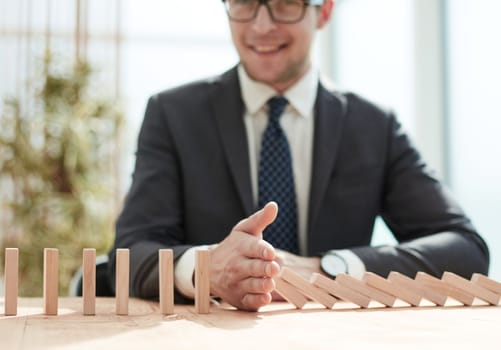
<point x="263" y="23"/>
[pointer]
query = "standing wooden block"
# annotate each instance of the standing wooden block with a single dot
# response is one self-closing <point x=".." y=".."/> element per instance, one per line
<point x="11" y="280"/>
<point x="202" y="281"/>
<point x="334" y="288"/>
<point x="486" y="282"/>
<point x="50" y="280"/>
<point x="289" y="293"/>
<point x="122" y="282"/>
<point x="438" y="285"/>
<point x="362" y="288"/>
<point x="476" y="290"/>
<point x="308" y="289"/>
<point x="391" y="288"/>
<point x="89" y="281"/>
<point x="166" y="281"/>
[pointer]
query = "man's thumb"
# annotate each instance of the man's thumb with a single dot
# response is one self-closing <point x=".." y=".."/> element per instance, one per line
<point x="257" y="222"/>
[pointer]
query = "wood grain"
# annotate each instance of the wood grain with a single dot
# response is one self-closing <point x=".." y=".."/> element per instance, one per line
<point x="364" y="289"/>
<point x="11" y="280"/>
<point x="166" y="281"/>
<point x="308" y="289"/>
<point x="289" y="293"/>
<point x="466" y="285"/>
<point x="51" y="281"/>
<point x="391" y="288"/>
<point x="89" y="281"/>
<point x="438" y="285"/>
<point x="341" y="292"/>
<point x="122" y="282"/>
<point x="202" y="281"/>
<point x="275" y="326"/>
<point x="486" y="282"/>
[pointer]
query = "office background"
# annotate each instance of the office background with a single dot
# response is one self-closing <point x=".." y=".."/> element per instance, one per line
<point x="436" y="63"/>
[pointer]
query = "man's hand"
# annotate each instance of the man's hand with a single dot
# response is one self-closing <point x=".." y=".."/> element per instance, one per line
<point x="305" y="266"/>
<point x="242" y="265"/>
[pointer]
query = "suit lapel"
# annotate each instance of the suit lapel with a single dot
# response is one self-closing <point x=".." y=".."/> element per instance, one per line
<point x="329" y="119"/>
<point x="228" y="110"/>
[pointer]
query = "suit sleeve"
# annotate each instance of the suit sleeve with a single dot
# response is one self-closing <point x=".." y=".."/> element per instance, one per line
<point x="151" y="218"/>
<point x="433" y="232"/>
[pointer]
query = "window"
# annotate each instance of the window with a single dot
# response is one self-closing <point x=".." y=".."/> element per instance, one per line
<point x="475" y="116"/>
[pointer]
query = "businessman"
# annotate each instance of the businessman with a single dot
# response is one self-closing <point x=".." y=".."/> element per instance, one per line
<point x="266" y="167"/>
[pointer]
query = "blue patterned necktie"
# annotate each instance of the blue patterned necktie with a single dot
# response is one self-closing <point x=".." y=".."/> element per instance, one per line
<point x="276" y="180"/>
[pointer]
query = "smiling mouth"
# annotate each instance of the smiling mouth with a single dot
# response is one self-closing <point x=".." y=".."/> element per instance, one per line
<point x="267" y="49"/>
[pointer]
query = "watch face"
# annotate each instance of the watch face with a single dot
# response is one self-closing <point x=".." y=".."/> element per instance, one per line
<point x="333" y="265"/>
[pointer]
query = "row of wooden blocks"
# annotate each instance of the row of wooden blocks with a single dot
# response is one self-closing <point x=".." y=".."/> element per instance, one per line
<point x="51" y="281"/>
<point x="290" y="285"/>
<point x="386" y="291"/>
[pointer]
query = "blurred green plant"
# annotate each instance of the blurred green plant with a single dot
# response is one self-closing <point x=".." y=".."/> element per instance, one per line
<point x="57" y="173"/>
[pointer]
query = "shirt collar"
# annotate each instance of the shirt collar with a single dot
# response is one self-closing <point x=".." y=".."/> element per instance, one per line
<point x="301" y="95"/>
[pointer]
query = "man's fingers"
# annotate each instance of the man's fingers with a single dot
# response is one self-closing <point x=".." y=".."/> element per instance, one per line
<point x="252" y="302"/>
<point x="260" y="268"/>
<point x="257" y="222"/>
<point x="259" y="250"/>
<point x="254" y="285"/>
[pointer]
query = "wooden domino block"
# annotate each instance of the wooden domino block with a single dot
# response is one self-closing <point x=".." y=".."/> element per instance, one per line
<point x="11" y="280"/>
<point x="419" y="286"/>
<point x="364" y="289"/>
<point x="89" y="281"/>
<point x="50" y="280"/>
<point x="391" y="288"/>
<point x="202" y="281"/>
<point x="289" y="293"/>
<point x="486" y="282"/>
<point x="166" y="281"/>
<point x="308" y="289"/>
<point x="122" y="282"/>
<point x="438" y="289"/>
<point x="334" y="288"/>
<point x="466" y="285"/>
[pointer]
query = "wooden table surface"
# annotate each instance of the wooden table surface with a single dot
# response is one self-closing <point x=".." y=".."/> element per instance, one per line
<point x="276" y="326"/>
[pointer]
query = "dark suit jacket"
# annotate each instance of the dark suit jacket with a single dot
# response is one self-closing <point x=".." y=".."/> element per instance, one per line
<point x="192" y="184"/>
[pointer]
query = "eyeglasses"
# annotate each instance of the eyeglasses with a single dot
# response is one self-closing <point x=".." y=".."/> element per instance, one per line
<point x="283" y="11"/>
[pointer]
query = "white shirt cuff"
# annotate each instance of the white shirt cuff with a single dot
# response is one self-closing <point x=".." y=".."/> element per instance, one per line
<point x="183" y="272"/>
<point x="355" y="265"/>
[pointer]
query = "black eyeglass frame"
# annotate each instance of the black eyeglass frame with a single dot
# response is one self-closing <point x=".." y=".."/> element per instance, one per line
<point x="306" y="3"/>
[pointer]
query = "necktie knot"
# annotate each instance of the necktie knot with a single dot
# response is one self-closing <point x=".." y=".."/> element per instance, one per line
<point x="276" y="107"/>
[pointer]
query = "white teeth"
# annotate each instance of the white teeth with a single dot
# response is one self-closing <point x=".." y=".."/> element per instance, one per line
<point x="265" y="48"/>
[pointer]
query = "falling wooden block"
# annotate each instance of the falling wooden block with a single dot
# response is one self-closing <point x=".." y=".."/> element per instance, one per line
<point x="289" y="293"/>
<point x="11" y="280"/>
<point x="308" y="289"/>
<point x="122" y="282"/>
<point x="424" y="291"/>
<point x="202" y="281"/>
<point x="334" y="288"/>
<point x="166" y="281"/>
<point x="437" y="289"/>
<point x="466" y="285"/>
<point x="364" y="289"/>
<point x="50" y="280"/>
<point x="89" y="281"/>
<point x="391" y="288"/>
<point x="486" y="282"/>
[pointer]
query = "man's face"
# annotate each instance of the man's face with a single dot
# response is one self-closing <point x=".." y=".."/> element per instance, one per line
<point x="278" y="54"/>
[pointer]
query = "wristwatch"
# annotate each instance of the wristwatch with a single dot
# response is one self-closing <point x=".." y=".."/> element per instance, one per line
<point x="333" y="264"/>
